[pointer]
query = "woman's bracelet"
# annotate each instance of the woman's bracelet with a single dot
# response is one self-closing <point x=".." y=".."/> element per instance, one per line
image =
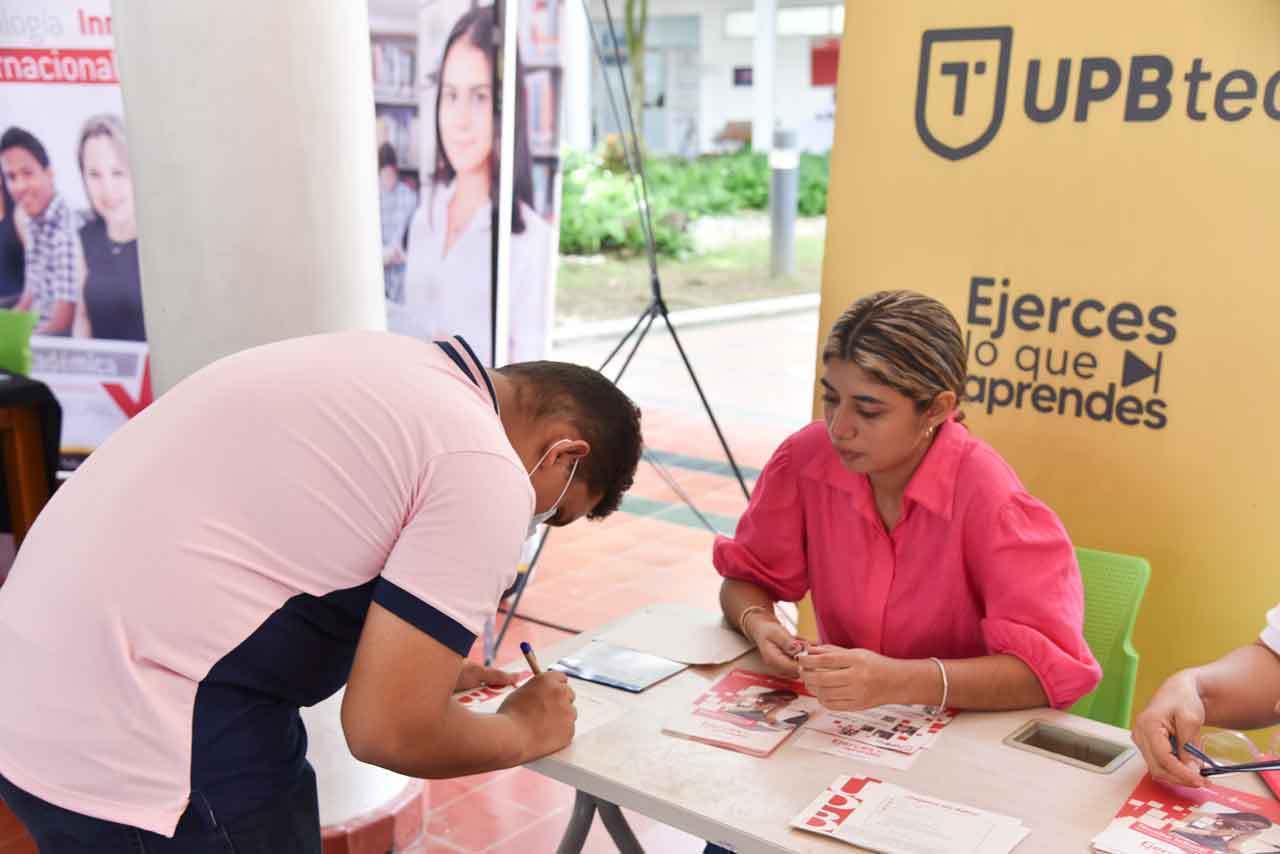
<point x="942" y="707"/>
<point x="742" y="620"/>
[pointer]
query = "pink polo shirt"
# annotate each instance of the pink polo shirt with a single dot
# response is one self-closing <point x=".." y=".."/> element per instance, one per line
<point x="975" y="566"/>
<point x="207" y="571"/>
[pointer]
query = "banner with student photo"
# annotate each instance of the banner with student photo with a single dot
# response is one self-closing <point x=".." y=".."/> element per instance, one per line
<point x="449" y="248"/>
<point x="68" y="235"/>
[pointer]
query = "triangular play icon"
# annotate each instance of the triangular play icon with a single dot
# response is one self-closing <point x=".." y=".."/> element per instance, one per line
<point x="1135" y="370"/>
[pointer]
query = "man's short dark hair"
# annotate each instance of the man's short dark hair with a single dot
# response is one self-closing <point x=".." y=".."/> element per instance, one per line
<point x="16" y="137"/>
<point x="604" y="416"/>
<point x="387" y="157"/>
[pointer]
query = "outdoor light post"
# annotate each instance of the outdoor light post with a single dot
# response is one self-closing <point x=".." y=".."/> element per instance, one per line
<point x="784" y="160"/>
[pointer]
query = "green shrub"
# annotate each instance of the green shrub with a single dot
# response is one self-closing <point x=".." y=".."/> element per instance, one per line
<point x="815" y="172"/>
<point x="746" y="176"/>
<point x="599" y="211"/>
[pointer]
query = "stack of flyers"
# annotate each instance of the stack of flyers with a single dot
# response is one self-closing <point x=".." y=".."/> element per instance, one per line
<point x="883" y="817"/>
<point x="1159" y="820"/>
<point x="486" y="699"/>
<point x="749" y="712"/>
<point x="890" y="735"/>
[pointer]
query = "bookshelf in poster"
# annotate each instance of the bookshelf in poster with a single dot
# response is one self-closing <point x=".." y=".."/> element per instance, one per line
<point x="544" y="201"/>
<point x="394" y="68"/>
<point x="540" y="32"/>
<point x="748" y="712"/>
<point x="399" y="127"/>
<point x="541" y="106"/>
<point x="1155" y="819"/>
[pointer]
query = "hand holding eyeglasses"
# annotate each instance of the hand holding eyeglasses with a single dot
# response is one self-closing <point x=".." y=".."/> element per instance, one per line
<point x="1213" y="767"/>
<point x="1174" y="716"/>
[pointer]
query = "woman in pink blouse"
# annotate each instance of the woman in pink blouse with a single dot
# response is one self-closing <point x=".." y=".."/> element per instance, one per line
<point x="935" y="576"/>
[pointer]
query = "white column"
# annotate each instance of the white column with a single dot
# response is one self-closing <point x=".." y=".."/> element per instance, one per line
<point x="254" y="165"/>
<point x="348" y="789"/>
<point x="765" y="48"/>
<point x="255" y="171"/>
<point x="578" y="60"/>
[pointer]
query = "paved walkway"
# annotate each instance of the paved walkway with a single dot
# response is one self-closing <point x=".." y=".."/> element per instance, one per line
<point x="757" y="373"/>
<point x="715" y="232"/>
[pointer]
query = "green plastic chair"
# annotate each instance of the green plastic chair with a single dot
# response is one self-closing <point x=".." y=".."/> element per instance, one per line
<point x="1113" y="588"/>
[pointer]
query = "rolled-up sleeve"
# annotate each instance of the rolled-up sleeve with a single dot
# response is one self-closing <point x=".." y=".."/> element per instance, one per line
<point x="768" y="547"/>
<point x="1033" y="597"/>
<point x="459" y="548"/>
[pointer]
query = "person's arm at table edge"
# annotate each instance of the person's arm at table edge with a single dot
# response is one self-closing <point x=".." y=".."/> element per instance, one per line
<point x="399" y="713"/>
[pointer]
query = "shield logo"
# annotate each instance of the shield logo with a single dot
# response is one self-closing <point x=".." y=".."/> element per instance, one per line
<point x="960" y="93"/>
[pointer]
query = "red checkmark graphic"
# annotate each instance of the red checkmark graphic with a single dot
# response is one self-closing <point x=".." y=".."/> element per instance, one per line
<point x="129" y="405"/>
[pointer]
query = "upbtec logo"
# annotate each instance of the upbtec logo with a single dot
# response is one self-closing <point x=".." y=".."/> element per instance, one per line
<point x="963" y="85"/>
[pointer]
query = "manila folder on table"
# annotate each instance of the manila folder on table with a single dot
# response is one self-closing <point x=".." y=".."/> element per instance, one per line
<point x="679" y="632"/>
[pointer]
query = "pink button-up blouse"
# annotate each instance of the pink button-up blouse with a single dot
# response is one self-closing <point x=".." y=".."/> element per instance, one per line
<point x="975" y="565"/>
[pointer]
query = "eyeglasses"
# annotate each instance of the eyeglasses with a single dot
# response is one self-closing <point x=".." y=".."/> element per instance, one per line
<point x="1231" y="752"/>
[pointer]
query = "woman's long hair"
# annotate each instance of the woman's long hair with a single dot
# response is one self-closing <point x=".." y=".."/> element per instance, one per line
<point x="480" y="27"/>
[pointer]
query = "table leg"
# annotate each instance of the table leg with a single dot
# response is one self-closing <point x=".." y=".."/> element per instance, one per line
<point x="487" y="639"/>
<point x="616" y="823"/>
<point x="575" y="834"/>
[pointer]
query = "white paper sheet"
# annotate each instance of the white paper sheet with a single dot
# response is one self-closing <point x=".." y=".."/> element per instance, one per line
<point x="880" y="816"/>
<point x="907" y="823"/>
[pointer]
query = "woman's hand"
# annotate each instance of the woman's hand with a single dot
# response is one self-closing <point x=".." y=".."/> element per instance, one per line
<point x="1176" y="710"/>
<point x="778" y="647"/>
<point x="848" y="680"/>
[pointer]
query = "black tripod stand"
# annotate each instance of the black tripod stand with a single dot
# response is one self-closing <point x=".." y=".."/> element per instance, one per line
<point x="657" y="307"/>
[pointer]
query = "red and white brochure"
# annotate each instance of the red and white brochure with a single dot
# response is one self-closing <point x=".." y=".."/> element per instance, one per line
<point x="748" y="712"/>
<point x="1158" y="819"/>
<point x="883" y="817"/>
<point x="487" y="699"/>
<point x="847" y="748"/>
<point x="904" y="729"/>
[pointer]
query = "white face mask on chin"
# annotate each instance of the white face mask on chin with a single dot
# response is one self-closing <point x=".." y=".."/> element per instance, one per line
<point x="539" y="518"/>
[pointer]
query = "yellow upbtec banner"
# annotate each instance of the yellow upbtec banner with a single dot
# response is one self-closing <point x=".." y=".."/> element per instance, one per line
<point x="1094" y="190"/>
